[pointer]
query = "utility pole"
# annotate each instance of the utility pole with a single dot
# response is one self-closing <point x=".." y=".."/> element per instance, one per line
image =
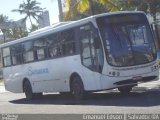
<point x="60" y="11"/>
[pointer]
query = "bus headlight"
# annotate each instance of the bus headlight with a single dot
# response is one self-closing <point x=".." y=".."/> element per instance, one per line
<point x="114" y="73"/>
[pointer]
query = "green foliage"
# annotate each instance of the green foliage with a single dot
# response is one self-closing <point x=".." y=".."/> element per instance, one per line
<point x="91" y="7"/>
<point x="33" y="28"/>
<point x="110" y="5"/>
<point x="84" y="8"/>
<point x="83" y="5"/>
<point x="148" y="6"/>
<point x="17" y="32"/>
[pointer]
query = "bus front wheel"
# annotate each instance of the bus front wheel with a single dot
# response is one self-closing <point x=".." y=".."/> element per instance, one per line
<point x="125" y="90"/>
<point x="77" y="88"/>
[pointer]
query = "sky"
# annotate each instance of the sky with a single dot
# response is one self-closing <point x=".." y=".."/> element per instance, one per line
<point x="6" y="7"/>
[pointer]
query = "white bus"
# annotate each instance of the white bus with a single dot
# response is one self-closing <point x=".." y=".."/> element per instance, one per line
<point x="101" y="52"/>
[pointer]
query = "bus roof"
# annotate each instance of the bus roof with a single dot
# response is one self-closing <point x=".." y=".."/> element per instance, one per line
<point x="48" y="28"/>
<point x="62" y="26"/>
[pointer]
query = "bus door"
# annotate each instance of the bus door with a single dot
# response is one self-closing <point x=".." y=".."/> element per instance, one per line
<point x="92" y="59"/>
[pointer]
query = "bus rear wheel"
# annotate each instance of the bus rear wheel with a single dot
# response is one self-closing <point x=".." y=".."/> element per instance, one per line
<point x="125" y="90"/>
<point x="28" y="91"/>
<point x="77" y="88"/>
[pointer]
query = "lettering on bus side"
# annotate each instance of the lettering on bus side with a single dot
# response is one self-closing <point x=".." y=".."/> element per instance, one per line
<point x="32" y="71"/>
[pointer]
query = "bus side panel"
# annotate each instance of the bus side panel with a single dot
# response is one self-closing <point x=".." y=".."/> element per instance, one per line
<point x="13" y="78"/>
<point x="54" y="75"/>
<point x="45" y="76"/>
<point x="91" y="79"/>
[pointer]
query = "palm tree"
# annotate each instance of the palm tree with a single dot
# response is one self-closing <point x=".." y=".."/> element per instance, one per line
<point x="91" y="7"/>
<point x="30" y="9"/>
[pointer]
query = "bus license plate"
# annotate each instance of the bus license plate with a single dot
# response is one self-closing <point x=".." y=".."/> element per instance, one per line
<point x="137" y="78"/>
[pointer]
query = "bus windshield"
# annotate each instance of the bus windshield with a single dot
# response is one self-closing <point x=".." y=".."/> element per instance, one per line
<point x="127" y="39"/>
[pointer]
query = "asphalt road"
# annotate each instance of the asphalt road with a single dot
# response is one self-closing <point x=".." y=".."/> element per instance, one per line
<point x="143" y="99"/>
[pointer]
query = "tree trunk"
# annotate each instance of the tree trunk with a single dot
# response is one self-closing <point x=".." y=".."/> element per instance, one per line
<point x="30" y="21"/>
<point x="91" y="7"/>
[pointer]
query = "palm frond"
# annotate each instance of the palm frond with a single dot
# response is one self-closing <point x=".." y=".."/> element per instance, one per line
<point x="68" y="4"/>
<point x="83" y="5"/>
<point x="36" y="18"/>
<point x="110" y="5"/>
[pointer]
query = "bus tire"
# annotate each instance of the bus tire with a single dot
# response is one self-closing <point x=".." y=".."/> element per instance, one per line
<point x="125" y="90"/>
<point x="77" y="88"/>
<point x="28" y="91"/>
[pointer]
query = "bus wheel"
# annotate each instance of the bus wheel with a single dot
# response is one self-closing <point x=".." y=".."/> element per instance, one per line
<point x="77" y="88"/>
<point x="28" y="90"/>
<point x="125" y="90"/>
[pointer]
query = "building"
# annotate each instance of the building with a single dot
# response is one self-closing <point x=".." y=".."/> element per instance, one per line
<point x="43" y="19"/>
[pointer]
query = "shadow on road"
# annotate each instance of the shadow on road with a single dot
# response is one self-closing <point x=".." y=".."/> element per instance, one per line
<point x="135" y="99"/>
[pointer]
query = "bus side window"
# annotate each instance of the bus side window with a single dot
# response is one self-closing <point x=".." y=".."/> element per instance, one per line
<point x="67" y="41"/>
<point x="16" y="53"/>
<point x="40" y="48"/>
<point x="28" y="54"/>
<point x="54" y="46"/>
<point x="6" y="56"/>
<point x="55" y="50"/>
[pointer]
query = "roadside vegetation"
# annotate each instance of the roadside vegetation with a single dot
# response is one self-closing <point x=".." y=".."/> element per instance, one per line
<point x="31" y="10"/>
